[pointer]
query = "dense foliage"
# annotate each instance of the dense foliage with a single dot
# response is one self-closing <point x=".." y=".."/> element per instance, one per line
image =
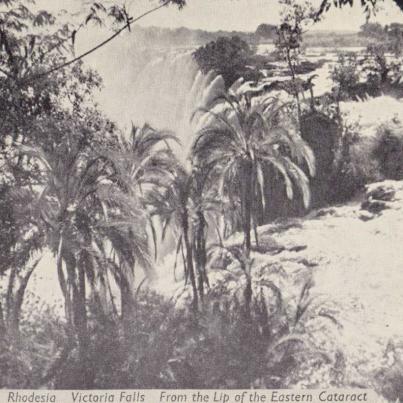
<point x="101" y="202"/>
<point x="77" y="187"/>
<point x="389" y="151"/>
<point x="367" y="5"/>
<point x="266" y="31"/>
<point x="227" y="57"/>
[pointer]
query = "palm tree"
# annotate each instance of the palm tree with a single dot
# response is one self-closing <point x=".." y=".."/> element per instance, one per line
<point x="89" y="202"/>
<point x="143" y="160"/>
<point x="242" y="140"/>
<point x="119" y="244"/>
<point x="201" y="203"/>
<point x="68" y="181"/>
<point x="141" y="163"/>
<point x="185" y="206"/>
<point x="174" y="208"/>
<point x="23" y="245"/>
<point x="204" y="205"/>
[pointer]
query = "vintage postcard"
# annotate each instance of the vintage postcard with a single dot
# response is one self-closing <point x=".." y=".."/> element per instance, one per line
<point x="201" y="201"/>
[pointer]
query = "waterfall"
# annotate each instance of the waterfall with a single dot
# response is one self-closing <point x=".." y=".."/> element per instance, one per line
<point x="162" y="88"/>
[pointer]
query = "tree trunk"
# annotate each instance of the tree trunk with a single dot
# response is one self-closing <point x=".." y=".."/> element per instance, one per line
<point x="201" y="254"/>
<point x="257" y="208"/>
<point x="248" y="297"/>
<point x="247" y="197"/>
<point x="293" y="77"/>
<point x="18" y="298"/>
<point x="63" y="283"/>
<point x="189" y="262"/>
<point x="126" y="299"/>
<point x="82" y="329"/>
<point x="247" y="228"/>
<point x="77" y="293"/>
<point x="70" y="290"/>
<point x="256" y="233"/>
<point x="247" y="206"/>
<point x="2" y="323"/>
<point x="80" y="303"/>
<point x="10" y="324"/>
<point x="312" y="98"/>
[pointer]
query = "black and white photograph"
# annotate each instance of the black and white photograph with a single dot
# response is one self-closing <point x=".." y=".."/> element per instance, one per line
<point x="201" y="195"/>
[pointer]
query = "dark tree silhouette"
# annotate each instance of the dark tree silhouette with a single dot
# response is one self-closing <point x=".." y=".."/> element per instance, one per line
<point x="368" y="5"/>
<point x="226" y="56"/>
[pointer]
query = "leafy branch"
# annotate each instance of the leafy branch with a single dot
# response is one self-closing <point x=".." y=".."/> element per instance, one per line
<point x="128" y="23"/>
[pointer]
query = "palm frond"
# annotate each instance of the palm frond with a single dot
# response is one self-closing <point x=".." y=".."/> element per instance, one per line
<point x="299" y="179"/>
<point x="282" y="169"/>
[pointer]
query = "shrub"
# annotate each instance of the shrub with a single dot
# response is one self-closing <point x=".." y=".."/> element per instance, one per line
<point x="389" y="151"/>
<point x="228" y="57"/>
<point x="346" y="182"/>
<point x="165" y="347"/>
<point x="159" y="346"/>
<point x="345" y="74"/>
<point x="354" y="166"/>
<point x="321" y="133"/>
<point x="26" y="358"/>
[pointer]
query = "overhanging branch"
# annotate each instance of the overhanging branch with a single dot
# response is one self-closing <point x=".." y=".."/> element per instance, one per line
<point x="94" y="49"/>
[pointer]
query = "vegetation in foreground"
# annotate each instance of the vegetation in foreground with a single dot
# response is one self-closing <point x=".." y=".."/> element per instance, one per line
<point x="96" y="198"/>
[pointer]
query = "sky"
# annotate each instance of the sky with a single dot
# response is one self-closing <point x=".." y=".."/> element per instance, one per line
<point x="246" y="15"/>
<point x="243" y="15"/>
